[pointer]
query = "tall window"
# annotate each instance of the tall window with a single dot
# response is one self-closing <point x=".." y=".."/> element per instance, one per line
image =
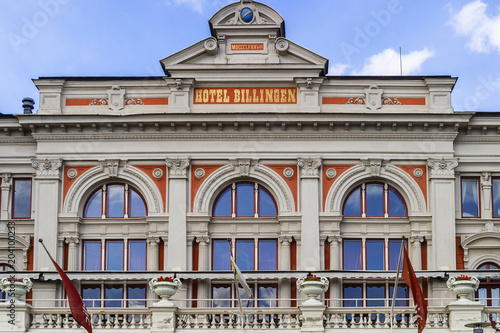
<point x="488" y="292"/>
<point x="21" y="203"/>
<point x="115" y="201"/>
<point x="224" y="295"/>
<point x="374" y="257"/>
<point x="246" y="258"/>
<point x="470" y="197"/>
<point x="375" y="200"/>
<point x="114" y="295"/>
<point x="115" y="254"/>
<point x="245" y="200"/>
<point x="496" y="197"/>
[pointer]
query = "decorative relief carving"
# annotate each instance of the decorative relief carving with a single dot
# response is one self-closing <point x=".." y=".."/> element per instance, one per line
<point x="134" y="101"/>
<point x="199" y="173"/>
<point x="309" y="167"/>
<point x="72" y="173"/>
<point x="116" y="98"/>
<point x="375" y="166"/>
<point x="391" y="101"/>
<point x="157" y="173"/>
<point x="331" y="173"/>
<point x="99" y="101"/>
<point x="153" y="241"/>
<point x="243" y="166"/>
<point x="110" y="167"/>
<point x="211" y="45"/>
<point x="335" y="239"/>
<point x="489" y="227"/>
<point x="286" y="240"/>
<point x="203" y="240"/>
<point x="282" y="46"/>
<point x="418" y="172"/>
<point x="6" y="179"/>
<point x="486" y="177"/>
<point x="178" y="167"/>
<point x="72" y="241"/>
<point x="288" y="172"/>
<point x="48" y="168"/>
<point x="355" y="100"/>
<point x="309" y="83"/>
<point x="373" y="99"/>
<point x="443" y="168"/>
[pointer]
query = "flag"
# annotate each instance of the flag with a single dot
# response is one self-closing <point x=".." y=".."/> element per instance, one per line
<point x="239" y="277"/>
<point x="410" y="278"/>
<point x="76" y="305"/>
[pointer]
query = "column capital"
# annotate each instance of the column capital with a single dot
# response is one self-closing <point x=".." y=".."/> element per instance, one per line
<point x="335" y="239"/>
<point x="6" y="179"/>
<point x="286" y="240"/>
<point x="202" y="240"/>
<point x="443" y="168"/>
<point x="417" y="239"/>
<point x="72" y="241"/>
<point x="486" y="178"/>
<point x="309" y="167"/>
<point x="153" y="240"/>
<point x="48" y="168"/>
<point x="178" y="167"/>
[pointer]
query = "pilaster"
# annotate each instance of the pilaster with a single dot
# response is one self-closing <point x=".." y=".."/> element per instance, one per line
<point x="310" y="207"/>
<point x="153" y="253"/>
<point x="442" y="200"/>
<point x="4" y="203"/>
<point x="73" y="243"/>
<point x="487" y="212"/>
<point x="203" y="265"/>
<point x="285" y="265"/>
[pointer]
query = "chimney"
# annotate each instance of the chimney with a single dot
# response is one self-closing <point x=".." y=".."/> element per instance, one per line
<point x="28" y="105"/>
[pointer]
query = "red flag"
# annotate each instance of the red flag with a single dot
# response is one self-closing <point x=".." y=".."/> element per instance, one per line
<point x="418" y="297"/>
<point x="76" y="305"/>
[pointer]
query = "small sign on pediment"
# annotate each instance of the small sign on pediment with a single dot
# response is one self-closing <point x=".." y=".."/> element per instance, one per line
<point x="373" y="98"/>
<point x="116" y="98"/>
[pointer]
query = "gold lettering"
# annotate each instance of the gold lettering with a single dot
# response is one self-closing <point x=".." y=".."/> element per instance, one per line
<point x="283" y="95"/>
<point x="237" y="95"/>
<point x="205" y="95"/>
<point x="212" y="95"/>
<point x="262" y="95"/>
<point x="276" y="95"/>
<point x="242" y="95"/>
<point x="269" y="96"/>
<point x="249" y="98"/>
<point x="219" y="95"/>
<point x="226" y="97"/>
<point x="255" y="97"/>
<point x="291" y="95"/>
<point x="198" y="94"/>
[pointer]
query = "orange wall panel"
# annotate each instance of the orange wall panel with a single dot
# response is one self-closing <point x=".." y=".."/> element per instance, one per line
<point x="328" y="182"/>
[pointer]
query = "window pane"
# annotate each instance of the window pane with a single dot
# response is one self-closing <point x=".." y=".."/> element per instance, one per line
<point x="22" y="198"/>
<point x="94" y="205"/>
<point x="220" y="256"/>
<point x="470" y="198"/>
<point x="268" y="296"/>
<point x="136" y="296"/>
<point x="268" y="255"/>
<point x="352" y="205"/>
<point x="116" y="205"/>
<point x="352" y="254"/>
<point x="496" y="197"/>
<point x="223" y="205"/>
<point x="495" y="296"/>
<point x="244" y="200"/>
<point x="114" y="256"/>
<point x="396" y="204"/>
<point x="92" y="256"/>
<point x="221" y="296"/>
<point x="352" y="296"/>
<point x="401" y="295"/>
<point x="245" y="298"/>
<point x="375" y="254"/>
<point x="482" y="294"/>
<point x="394" y="250"/>
<point x="375" y="295"/>
<point x="244" y="254"/>
<point x="266" y="204"/>
<point x="89" y="293"/>
<point x="115" y="296"/>
<point x="137" y="256"/>
<point x="136" y="205"/>
<point x="374" y="200"/>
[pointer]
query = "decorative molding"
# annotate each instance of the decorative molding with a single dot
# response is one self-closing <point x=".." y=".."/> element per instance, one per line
<point x="486" y="177"/>
<point x="444" y="168"/>
<point x="418" y="172"/>
<point x="6" y="179"/>
<point x="355" y="100"/>
<point x="282" y="46"/>
<point x="72" y="240"/>
<point x="331" y="173"/>
<point x="179" y="84"/>
<point x="178" y="167"/>
<point x="47" y="168"/>
<point x="211" y="45"/>
<point x="309" y="167"/>
<point x="134" y="101"/>
<point x="288" y="173"/>
<point x="373" y="97"/>
<point x="334" y="239"/>
<point x="391" y="101"/>
<point x="203" y="240"/>
<point x="116" y="98"/>
<point x="286" y="240"/>
<point x="199" y="173"/>
<point x="374" y="166"/>
<point x="72" y="173"/>
<point x="99" y="101"/>
<point x="489" y="226"/>
<point x="417" y="239"/>
<point x="157" y="173"/>
<point x="110" y="167"/>
<point x="152" y="240"/>
<point x="243" y="166"/>
<point x="154" y="202"/>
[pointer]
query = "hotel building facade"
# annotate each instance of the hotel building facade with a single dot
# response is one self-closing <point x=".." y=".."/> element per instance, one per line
<point x="247" y="138"/>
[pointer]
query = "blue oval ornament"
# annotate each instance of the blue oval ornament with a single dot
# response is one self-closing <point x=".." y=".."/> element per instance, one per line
<point x="247" y="15"/>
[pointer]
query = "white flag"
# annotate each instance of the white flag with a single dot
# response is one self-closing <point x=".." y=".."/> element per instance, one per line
<point x="240" y="278"/>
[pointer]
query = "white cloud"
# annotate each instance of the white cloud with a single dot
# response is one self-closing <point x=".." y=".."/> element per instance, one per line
<point x="387" y="63"/>
<point x="473" y="22"/>
<point x="338" y="69"/>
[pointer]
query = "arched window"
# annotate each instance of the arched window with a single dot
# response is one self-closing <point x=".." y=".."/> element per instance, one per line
<point x="115" y="201"/>
<point x="245" y="200"/>
<point x="375" y="200"/>
<point x="488" y="292"/>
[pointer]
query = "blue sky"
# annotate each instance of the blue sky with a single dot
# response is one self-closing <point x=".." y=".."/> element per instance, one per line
<point x="128" y="38"/>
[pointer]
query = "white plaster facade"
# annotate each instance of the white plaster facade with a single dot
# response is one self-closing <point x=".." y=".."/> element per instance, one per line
<point x="308" y="138"/>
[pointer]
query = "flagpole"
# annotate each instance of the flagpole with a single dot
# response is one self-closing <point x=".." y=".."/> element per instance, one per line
<point x="396" y="282"/>
<point x="237" y="288"/>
